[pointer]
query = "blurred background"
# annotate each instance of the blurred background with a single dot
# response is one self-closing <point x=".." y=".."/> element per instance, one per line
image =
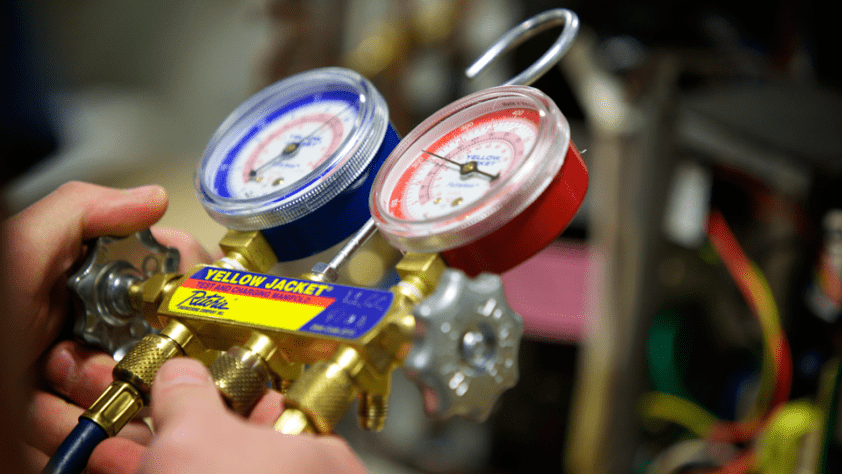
<point x="678" y="108"/>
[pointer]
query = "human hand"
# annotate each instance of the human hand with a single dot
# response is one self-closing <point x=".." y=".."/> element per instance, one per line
<point x="45" y="241"/>
<point x="75" y="376"/>
<point x="195" y="433"/>
<point x="41" y="245"/>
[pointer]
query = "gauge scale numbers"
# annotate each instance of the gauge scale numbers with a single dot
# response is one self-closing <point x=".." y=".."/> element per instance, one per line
<point x="464" y="165"/>
<point x="292" y="143"/>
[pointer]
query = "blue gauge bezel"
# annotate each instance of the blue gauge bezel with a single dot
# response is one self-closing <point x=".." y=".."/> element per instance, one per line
<point x="322" y="208"/>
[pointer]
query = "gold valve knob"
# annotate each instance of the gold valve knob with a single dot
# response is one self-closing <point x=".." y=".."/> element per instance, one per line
<point x="323" y="393"/>
<point x="243" y="373"/>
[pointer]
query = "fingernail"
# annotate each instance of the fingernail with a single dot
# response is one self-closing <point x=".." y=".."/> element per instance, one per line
<point x="66" y="364"/>
<point x="143" y="190"/>
<point x="153" y="192"/>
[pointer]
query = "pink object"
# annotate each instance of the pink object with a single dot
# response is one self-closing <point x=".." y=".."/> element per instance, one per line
<point x="549" y="292"/>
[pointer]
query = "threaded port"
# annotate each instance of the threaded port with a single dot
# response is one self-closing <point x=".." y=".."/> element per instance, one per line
<point x="372" y="410"/>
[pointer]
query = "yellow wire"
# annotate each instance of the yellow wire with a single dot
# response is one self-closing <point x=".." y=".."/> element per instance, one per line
<point x="668" y="407"/>
<point x="770" y="325"/>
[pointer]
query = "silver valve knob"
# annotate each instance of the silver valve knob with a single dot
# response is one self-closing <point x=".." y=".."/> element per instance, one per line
<point x="105" y="318"/>
<point x="465" y="351"/>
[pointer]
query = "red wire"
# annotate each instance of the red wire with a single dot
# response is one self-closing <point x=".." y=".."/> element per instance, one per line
<point x="741" y="271"/>
<point x="739" y="465"/>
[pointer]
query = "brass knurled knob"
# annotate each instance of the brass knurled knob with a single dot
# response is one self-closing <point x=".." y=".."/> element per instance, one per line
<point x="139" y="366"/>
<point x="241" y="377"/>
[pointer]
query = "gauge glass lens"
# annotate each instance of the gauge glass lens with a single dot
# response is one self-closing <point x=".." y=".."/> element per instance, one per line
<point x="453" y="173"/>
<point x="276" y="155"/>
<point x="469" y="169"/>
<point x="292" y="148"/>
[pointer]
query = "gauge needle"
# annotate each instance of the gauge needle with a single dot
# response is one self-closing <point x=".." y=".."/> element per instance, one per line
<point x="292" y="147"/>
<point x="466" y="168"/>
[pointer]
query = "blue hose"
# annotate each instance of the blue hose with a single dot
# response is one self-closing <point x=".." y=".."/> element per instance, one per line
<point x="73" y="454"/>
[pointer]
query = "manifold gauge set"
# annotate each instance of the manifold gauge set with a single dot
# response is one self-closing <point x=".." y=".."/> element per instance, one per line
<point x="311" y="164"/>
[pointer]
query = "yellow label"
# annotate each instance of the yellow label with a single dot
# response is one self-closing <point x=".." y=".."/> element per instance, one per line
<point x="280" y="303"/>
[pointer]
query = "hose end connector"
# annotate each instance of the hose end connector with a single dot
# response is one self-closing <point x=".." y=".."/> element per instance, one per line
<point x="117" y="405"/>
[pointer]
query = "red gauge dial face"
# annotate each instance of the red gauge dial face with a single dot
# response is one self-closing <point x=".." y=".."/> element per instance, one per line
<point x="463" y="167"/>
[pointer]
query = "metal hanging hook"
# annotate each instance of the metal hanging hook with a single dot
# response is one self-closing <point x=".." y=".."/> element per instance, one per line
<point x="524" y="31"/>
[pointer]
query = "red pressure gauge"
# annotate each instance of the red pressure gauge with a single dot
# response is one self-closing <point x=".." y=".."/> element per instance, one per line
<point x="488" y="181"/>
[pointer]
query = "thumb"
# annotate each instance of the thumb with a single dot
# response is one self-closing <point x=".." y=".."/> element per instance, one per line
<point x="184" y="392"/>
<point x="46" y="238"/>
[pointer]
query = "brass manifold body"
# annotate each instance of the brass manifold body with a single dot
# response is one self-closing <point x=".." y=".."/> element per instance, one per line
<point x="245" y="358"/>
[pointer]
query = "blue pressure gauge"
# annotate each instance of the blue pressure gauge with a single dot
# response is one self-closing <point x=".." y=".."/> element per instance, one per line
<point x="297" y="160"/>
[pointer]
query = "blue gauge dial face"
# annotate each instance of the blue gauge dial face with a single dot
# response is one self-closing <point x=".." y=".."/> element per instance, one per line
<point x="295" y="148"/>
<point x="285" y="149"/>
